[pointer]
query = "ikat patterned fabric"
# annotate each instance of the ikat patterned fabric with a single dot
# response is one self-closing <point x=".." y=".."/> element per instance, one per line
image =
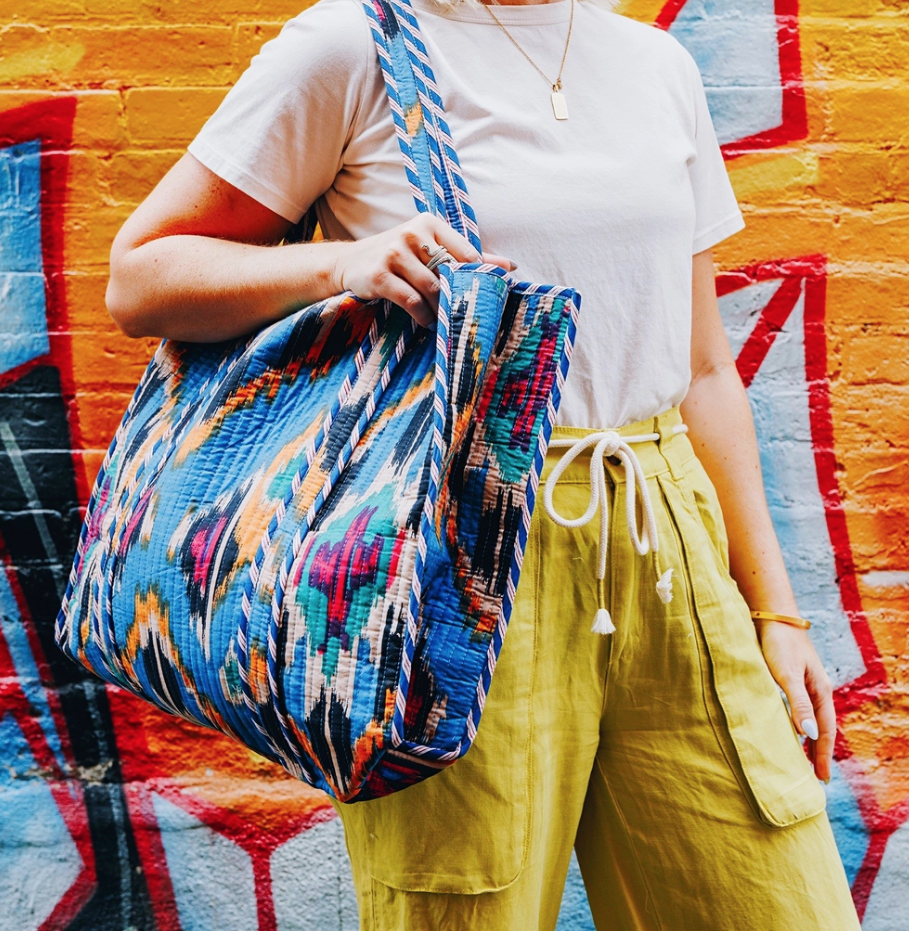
<point x="310" y="538"/>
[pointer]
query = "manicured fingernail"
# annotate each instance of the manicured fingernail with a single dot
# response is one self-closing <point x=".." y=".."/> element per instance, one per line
<point x="809" y="726"/>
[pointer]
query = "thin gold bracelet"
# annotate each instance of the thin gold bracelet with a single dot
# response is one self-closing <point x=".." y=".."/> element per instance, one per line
<point x="782" y="618"/>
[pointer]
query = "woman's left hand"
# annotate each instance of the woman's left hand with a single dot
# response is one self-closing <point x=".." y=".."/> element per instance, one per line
<point x="794" y="663"/>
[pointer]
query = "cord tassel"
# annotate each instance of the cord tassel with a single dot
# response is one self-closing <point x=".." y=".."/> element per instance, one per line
<point x="664" y="587"/>
<point x="602" y="621"/>
<point x="602" y="445"/>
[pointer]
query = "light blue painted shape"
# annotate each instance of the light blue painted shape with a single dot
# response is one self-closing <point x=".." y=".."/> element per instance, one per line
<point x="13" y="630"/>
<point x="846" y="820"/>
<point x="779" y="402"/>
<point x="575" y="913"/>
<point x="741" y="310"/>
<point x="887" y="910"/>
<point x="211" y="876"/>
<point x="39" y="860"/>
<point x="23" y="310"/>
<point x="325" y="898"/>
<point x="737" y="50"/>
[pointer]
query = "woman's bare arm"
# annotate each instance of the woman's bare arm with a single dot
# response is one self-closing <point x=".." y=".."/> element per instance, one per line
<point x="199" y="260"/>
<point x="722" y="431"/>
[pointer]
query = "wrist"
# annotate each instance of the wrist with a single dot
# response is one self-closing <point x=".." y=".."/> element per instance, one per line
<point x="332" y="267"/>
<point x="774" y="632"/>
<point x="781" y="615"/>
<point x="317" y="270"/>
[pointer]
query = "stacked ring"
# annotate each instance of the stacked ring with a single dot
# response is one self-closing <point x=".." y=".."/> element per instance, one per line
<point x="437" y="256"/>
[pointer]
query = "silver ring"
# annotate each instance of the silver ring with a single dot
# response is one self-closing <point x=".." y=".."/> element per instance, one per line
<point x="437" y="256"/>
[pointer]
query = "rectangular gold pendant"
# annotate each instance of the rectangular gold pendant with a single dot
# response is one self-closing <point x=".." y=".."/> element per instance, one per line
<point x="559" y="106"/>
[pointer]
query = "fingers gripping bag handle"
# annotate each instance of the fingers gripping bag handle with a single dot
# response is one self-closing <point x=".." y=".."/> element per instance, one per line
<point x="310" y="538"/>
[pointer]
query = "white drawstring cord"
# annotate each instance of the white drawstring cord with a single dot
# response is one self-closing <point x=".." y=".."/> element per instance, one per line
<point x="605" y="444"/>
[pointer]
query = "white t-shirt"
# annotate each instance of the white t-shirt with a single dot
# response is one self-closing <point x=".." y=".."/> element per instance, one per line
<point x="613" y="202"/>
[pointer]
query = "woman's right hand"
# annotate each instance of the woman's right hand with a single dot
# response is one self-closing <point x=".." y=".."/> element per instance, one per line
<point x="392" y="265"/>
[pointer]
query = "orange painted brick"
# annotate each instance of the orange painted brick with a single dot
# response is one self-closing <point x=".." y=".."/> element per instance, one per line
<point x="135" y="55"/>
<point x="863" y="295"/>
<point x="106" y="366"/>
<point x="39" y="11"/>
<point x="100" y="120"/>
<point x="85" y="295"/>
<point x="890" y="627"/>
<point x="92" y="169"/>
<point x="250" y="37"/>
<point x="852" y="9"/>
<point x="135" y="172"/>
<point x="140" y="12"/>
<point x="861" y="176"/>
<point x="100" y="413"/>
<point x="89" y="232"/>
<point x="90" y="461"/>
<point x="878" y="234"/>
<point x="35" y="58"/>
<point x="877" y="114"/>
<point x="849" y="235"/>
<point x="872" y="406"/>
<point x="186" y="11"/>
<point x="861" y="50"/>
<point x="872" y="545"/>
<point x="169" y="116"/>
<point x="876" y="358"/>
<point x="793" y="231"/>
<point x="874" y="472"/>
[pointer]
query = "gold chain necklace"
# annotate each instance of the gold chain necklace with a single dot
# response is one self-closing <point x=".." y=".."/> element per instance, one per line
<point x="559" y="104"/>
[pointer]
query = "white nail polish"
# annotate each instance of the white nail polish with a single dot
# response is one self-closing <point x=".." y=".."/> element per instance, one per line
<point x="809" y="726"/>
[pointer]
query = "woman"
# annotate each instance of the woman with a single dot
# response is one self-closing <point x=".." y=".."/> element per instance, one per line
<point x="661" y="751"/>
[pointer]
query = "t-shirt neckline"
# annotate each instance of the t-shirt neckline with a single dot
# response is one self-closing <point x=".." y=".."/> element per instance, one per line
<point x="527" y="14"/>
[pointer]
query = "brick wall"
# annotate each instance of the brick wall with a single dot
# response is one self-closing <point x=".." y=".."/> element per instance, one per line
<point x="110" y="811"/>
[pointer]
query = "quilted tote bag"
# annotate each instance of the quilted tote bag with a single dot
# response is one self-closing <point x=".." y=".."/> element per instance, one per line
<point x="310" y="538"/>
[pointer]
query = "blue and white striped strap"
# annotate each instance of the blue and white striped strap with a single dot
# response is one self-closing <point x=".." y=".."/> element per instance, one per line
<point x="430" y="159"/>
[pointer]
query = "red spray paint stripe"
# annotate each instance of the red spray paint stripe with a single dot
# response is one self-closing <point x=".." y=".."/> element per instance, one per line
<point x="822" y="440"/>
<point x="151" y="852"/>
<point x="51" y="121"/>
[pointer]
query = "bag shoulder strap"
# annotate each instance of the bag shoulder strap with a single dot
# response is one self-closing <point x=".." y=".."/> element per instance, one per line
<point x="429" y="155"/>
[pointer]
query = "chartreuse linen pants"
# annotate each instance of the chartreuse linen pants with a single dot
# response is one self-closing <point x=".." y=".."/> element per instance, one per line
<point x="662" y="752"/>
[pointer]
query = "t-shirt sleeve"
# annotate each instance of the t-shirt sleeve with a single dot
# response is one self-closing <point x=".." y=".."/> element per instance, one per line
<point x="717" y="213"/>
<point x="280" y="133"/>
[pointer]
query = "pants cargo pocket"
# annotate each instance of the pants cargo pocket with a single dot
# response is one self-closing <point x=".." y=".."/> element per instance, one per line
<point x="465" y="830"/>
<point x="746" y="708"/>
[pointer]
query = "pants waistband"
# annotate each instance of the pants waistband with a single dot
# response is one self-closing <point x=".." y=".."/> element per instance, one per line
<point x="671" y="449"/>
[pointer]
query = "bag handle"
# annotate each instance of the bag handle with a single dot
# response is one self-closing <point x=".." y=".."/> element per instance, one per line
<point x="429" y="155"/>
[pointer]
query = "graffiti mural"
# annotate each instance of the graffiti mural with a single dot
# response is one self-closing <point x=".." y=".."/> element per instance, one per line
<point x="774" y="316"/>
<point x="115" y="817"/>
<point x="67" y="852"/>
